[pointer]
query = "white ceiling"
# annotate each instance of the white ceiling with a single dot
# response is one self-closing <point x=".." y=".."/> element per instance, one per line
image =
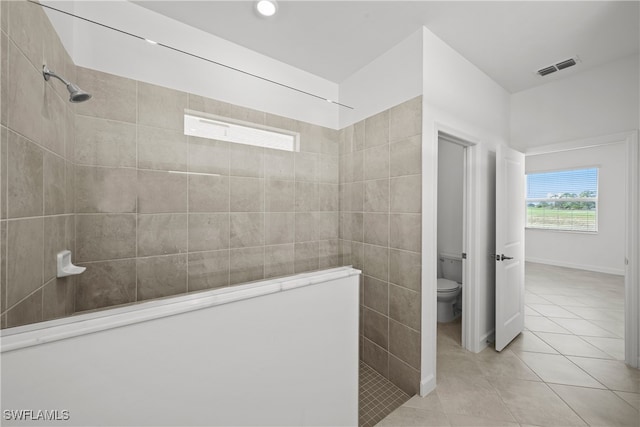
<point x="508" y="40"/>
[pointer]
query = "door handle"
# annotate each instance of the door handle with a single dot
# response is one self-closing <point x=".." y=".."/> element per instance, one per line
<point x="502" y="257"/>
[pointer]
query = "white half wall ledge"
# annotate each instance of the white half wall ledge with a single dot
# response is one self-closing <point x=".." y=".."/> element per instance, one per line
<point x="83" y="324"/>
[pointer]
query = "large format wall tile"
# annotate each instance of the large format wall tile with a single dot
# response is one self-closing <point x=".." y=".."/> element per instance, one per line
<point x="25" y="95"/>
<point x="105" y="190"/>
<point x="106" y="283"/>
<point x="405" y="120"/>
<point x="208" y="270"/>
<point x="246" y="265"/>
<point x="161" y="276"/>
<point x="208" y="232"/>
<point x="53" y="121"/>
<point x="116" y="95"/>
<point x="162" y="149"/>
<point x="161" y="192"/>
<point x="25" y="240"/>
<point x="161" y="107"/>
<point x="100" y="142"/>
<point x="278" y="260"/>
<point x="162" y="234"/>
<point x="105" y="237"/>
<point x="246" y="229"/>
<point x="208" y="193"/>
<point x="55" y="186"/>
<point x="25" y="178"/>
<point x="208" y="156"/>
<point x="58" y="298"/>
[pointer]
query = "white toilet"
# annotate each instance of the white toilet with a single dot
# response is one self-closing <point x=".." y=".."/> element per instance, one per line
<point x="449" y="287"/>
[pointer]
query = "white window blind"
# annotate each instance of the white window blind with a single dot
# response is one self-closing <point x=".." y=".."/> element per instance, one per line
<point x="563" y="200"/>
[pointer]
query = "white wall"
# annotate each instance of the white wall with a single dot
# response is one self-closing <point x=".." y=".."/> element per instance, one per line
<point x="95" y="47"/>
<point x="391" y="79"/>
<point x="600" y="101"/>
<point x="284" y="358"/>
<point x="450" y="198"/>
<point x="461" y="100"/>
<point x="605" y="250"/>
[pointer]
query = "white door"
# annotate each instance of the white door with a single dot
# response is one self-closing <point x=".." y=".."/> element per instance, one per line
<point x="510" y="206"/>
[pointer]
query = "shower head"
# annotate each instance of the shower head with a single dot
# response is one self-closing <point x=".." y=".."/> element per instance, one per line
<point x="75" y="93"/>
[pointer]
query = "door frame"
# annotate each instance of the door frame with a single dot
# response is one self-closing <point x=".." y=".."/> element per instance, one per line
<point x="632" y="221"/>
<point x="470" y="306"/>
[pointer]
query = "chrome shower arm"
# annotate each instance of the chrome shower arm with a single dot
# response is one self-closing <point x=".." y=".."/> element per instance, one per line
<point x="47" y="73"/>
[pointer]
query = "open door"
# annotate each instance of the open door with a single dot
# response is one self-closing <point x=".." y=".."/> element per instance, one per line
<point x="510" y="205"/>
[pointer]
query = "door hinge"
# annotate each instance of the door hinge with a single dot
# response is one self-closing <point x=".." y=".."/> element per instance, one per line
<point x="464" y="255"/>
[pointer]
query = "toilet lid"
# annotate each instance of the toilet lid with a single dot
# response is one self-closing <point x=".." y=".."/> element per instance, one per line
<point x="447" y="285"/>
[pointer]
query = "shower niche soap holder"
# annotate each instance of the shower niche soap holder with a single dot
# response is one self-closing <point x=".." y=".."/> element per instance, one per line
<point x="65" y="268"/>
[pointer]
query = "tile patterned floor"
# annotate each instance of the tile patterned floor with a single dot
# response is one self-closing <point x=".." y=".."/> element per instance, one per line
<point x="565" y="369"/>
<point x="378" y="396"/>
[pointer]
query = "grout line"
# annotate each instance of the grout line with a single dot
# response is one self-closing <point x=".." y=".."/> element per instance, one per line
<point x="137" y="207"/>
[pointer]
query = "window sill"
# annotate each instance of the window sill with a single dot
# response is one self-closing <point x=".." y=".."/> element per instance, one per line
<point x="594" y="233"/>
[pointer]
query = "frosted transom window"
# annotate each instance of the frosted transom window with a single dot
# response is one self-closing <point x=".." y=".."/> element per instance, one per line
<point x="224" y="129"/>
<point x="563" y="200"/>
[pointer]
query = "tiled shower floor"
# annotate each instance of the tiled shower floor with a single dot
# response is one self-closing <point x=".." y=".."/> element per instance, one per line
<point x="378" y="397"/>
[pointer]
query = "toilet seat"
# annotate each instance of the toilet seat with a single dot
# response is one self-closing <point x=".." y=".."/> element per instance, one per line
<point x="447" y="286"/>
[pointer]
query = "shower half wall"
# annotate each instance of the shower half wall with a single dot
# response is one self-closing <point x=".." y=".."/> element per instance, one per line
<point x="94" y="178"/>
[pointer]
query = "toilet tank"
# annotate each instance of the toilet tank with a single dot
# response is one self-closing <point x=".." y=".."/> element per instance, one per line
<point x="451" y="265"/>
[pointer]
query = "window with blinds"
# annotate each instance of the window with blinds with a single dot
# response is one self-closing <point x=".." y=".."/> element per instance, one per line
<point x="563" y="200"/>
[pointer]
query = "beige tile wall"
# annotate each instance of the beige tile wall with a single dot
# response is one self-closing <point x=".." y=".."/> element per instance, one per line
<point x="150" y="233"/>
<point x="36" y="168"/>
<point x="93" y="178"/>
<point x="380" y="233"/>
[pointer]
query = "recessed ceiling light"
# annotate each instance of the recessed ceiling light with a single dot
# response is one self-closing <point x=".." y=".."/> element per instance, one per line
<point x="266" y="7"/>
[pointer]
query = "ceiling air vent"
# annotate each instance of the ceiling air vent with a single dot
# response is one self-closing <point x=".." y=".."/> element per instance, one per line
<point x="557" y="67"/>
<point x="547" y="70"/>
<point x="566" y="64"/>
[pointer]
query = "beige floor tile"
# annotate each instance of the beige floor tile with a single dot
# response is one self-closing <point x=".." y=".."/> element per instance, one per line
<point x="558" y="369"/>
<point x="542" y="324"/>
<point x="430" y="402"/>
<point x="503" y="364"/>
<point x="471" y="396"/>
<point x="614" y="326"/>
<point x="572" y="345"/>
<point x="632" y="399"/>
<point x="612" y="373"/>
<point x="582" y="327"/>
<point x="535" y="403"/>
<point x="407" y="416"/>
<point x="563" y="300"/>
<point x="530" y="298"/>
<point x="553" y="311"/>
<point x="457" y="365"/>
<point x="612" y="346"/>
<point x="591" y="313"/>
<point x="528" y="311"/>
<point x="528" y="341"/>
<point x="459" y="420"/>
<point x="598" y="407"/>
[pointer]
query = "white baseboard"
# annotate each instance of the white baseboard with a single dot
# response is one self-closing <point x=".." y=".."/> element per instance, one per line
<point x="427" y="385"/>
<point x="596" y="268"/>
